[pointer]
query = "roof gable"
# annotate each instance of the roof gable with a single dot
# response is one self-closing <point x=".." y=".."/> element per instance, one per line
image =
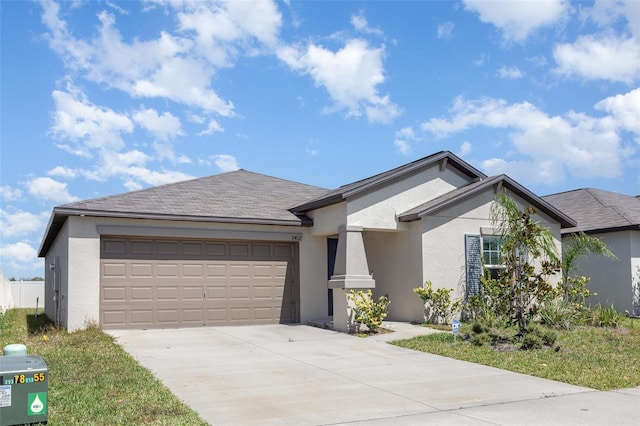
<point x="458" y="195"/>
<point x="596" y="210"/>
<point x="445" y="158"/>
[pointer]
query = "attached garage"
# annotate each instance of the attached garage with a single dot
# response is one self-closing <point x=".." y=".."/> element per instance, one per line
<point x="153" y="283"/>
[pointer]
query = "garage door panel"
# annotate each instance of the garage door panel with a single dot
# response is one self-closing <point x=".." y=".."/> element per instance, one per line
<point x="141" y="247"/>
<point x="167" y="248"/>
<point x="140" y="317"/>
<point x="193" y="270"/>
<point x="192" y="293"/>
<point x="115" y="318"/>
<point x="114" y="294"/>
<point x="168" y="316"/>
<point x="167" y="293"/>
<point x="141" y="294"/>
<point x="172" y="283"/>
<point x="216" y="292"/>
<point x="236" y="249"/>
<point x="165" y="270"/>
<point x="112" y="270"/>
<point x="144" y="270"/>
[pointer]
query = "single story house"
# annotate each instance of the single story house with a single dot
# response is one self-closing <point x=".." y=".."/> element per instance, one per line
<point x="615" y="219"/>
<point x="245" y="248"/>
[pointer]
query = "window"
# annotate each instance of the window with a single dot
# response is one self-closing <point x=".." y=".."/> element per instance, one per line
<point x="491" y="255"/>
<point x="491" y="250"/>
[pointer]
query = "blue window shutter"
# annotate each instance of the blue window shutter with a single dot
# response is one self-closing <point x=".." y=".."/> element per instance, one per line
<point x="473" y="258"/>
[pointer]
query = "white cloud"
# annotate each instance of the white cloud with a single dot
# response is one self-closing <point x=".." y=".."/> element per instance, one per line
<point x="445" y="30"/>
<point x="465" y="148"/>
<point x="213" y="127"/>
<point x="603" y="57"/>
<point x="518" y="19"/>
<point x="48" y="189"/>
<point x="360" y="23"/>
<point x="19" y="255"/>
<point x="164" y="127"/>
<point x="86" y="125"/>
<point x="167" y="67"/>
<point x="226" y="163"/>
<point x="62" y="171"/>
<point x="545" y="146"/>
<point x="219" y="23"/>
<point x="10" y="194"/>
<point x="624" y="109"/>
<point x="607" y="13"/>
<point x="351" y="75"/>
<point x="21" y="223"/>
<point x="511" y="73"/>
<point x="404" y="140"/>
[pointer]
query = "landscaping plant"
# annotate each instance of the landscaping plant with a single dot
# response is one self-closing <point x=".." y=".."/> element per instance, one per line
<point x="366" y="311"/>
<point x="529" y="256"/>
<point x="439" y="308"/>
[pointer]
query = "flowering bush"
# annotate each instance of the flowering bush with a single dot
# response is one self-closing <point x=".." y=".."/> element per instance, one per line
<point x="437" y="304"/>
<point x="367" y="311"/>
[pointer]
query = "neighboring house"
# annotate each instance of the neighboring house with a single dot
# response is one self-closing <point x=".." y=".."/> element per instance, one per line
<point x="244" y="248"/>
<point x="615" y="219"/>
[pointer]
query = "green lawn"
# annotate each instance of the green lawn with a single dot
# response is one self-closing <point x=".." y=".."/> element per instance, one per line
<point x="594" y="357"/>
<point x="92" y="381"/>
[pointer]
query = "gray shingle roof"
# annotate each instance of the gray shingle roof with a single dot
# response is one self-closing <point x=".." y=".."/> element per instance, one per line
<point x="239" y="194"/>
<point x="596" y="210"/>
<point x="460" y="194"/>
<point x="346" y="191"/>
<point x="235" y="197"/>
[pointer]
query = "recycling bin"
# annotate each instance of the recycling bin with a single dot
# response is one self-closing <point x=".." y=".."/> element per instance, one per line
<point x="23" y="390"/>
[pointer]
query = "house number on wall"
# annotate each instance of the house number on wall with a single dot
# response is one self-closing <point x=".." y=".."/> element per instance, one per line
<point x="296" y="237"/>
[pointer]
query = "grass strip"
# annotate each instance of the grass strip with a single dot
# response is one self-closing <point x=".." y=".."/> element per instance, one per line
<point x="593" y="357"/>
<point x="92" y="380"/>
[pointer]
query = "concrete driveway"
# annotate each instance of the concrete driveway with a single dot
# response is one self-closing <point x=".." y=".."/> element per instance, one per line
<point x="300" y="375"/>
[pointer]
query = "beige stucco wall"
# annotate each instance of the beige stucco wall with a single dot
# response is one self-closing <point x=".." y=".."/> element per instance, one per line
<point x="395" y="261"/>
<point x="612" y="279"/>
<point x="443" y="242"/>
<point x="326" y="220"/>
<point x="313" y="278"/>
<point x="79" y="240"/>
<point x="378" y="209"/>
<point x="59" y="251"/>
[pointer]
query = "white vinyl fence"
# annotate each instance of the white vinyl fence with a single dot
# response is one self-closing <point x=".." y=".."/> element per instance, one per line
<point x="20" y="294"/>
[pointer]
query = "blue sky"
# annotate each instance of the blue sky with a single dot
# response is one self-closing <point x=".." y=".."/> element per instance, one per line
<point x="99" y="98"/>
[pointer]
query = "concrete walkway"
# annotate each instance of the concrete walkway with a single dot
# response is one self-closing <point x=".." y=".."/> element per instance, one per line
<point x="301" y="375"/>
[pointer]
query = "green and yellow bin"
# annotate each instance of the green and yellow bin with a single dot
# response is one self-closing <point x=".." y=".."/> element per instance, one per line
<point x="23" y="390"/>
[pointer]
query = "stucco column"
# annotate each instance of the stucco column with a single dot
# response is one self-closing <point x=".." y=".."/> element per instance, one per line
<point x="351" y="271"/>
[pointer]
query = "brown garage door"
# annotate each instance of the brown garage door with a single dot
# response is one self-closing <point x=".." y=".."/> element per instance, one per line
<point x="149" y="283"/>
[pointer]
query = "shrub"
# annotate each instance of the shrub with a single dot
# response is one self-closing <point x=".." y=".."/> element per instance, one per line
<point x="531" y="341"/>
<point x="438" y="304"/>
<point x="367" y="311"/>
<point x="558" y="313"/>
<point x="605" y="316"/>
<point x="477" y="328"/>
<point x="481" y="339"/>
<point x="546" y="335"/>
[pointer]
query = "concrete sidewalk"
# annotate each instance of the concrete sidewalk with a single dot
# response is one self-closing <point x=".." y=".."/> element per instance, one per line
<point x="300" y="375"/>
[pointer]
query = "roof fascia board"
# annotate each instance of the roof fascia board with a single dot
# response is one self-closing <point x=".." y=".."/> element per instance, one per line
<point x="577" y="230"/>
<point x="153" y="216"/>
<point x="499" y="181"/>
<point x="443" y="159"/>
